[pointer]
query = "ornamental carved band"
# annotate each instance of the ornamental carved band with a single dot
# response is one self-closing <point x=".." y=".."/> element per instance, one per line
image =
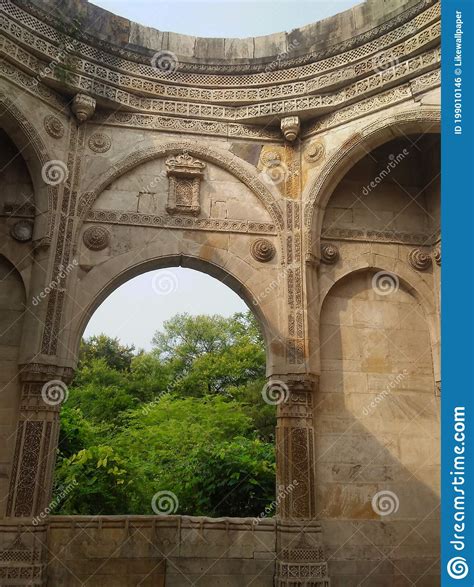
<point x="295" y="450"/>
<point x="184" y="175"/>
<point x="34" y="458"/>
<point x="43" y="392"/>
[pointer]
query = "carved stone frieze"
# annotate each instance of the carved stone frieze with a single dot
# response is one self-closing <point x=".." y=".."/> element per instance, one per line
<point x="180" y="222"/>
<point x="289" y="67"/>
<point x="262" y="110"/>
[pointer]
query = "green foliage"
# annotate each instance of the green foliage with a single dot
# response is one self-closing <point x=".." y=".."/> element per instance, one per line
<point x="100" y="479"/>
<point x="115" y="355"/>
<point x="187" y="417"/>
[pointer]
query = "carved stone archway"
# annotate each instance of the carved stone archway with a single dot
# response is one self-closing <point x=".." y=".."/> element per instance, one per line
<point x="239" y="130"/>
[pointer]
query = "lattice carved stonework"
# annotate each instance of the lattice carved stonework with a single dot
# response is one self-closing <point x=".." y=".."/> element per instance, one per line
<point x="295" y="450"/>
<point x="184" y="175"/>
<point x="35" y="452"/>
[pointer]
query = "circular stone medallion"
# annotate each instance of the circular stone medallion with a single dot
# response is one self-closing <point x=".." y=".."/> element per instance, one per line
<point x="262" y="250"/>
<point x="22" y="231"/>
<point x="54" y="127"/>
<point x="96" y="238"/>
<point x="100" y="142"/>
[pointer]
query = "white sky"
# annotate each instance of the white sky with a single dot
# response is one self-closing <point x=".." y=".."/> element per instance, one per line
<point x="138" y="308"/>
<point x="135" y="310"/>
<point x="226" y="18"/>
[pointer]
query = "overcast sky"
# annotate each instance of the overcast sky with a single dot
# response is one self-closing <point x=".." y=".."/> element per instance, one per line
<point x="138" y="308"/>
<point x="226" y="18"/>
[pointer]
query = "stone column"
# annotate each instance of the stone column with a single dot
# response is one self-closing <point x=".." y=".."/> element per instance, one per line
<point x="43" y="391"/>
<point x="300" y="556"/>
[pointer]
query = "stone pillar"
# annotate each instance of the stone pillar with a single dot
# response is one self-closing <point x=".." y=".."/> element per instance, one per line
<point x="300" y="556"/>
<point x="43" y="391"/>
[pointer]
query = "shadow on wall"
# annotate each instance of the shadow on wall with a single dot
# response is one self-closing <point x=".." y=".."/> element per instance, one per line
<point x="377" y="437"/>
<point x="12" y="306"/>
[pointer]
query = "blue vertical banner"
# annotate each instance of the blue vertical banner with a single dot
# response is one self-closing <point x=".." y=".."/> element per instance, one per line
<point x="457" y="181"/>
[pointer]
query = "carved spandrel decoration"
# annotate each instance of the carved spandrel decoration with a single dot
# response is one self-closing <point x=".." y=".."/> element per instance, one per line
<point x="419" y="259"/>
<point x="184" y="174"/>
<point x="329" y="254"/>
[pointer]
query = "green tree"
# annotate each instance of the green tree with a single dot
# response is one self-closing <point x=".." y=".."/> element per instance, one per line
<point x="187" y="417"/>
<point x="116" y="355"/>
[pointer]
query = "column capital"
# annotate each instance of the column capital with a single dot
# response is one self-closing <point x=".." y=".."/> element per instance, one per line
<point x="36" y="372"/>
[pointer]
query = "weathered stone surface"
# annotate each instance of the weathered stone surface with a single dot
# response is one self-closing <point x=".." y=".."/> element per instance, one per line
<point x="352" y="338"/>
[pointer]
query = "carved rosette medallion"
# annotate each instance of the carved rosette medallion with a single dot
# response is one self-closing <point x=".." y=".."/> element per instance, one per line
<point x="96" y="238"/>
<point x="22" y="231"/>
<point x="262" y="250"/>
<point x="419" y="260"/>
<point x="329" y="254"/>
<point x="184" y="175"/>
<point x="315" y="152"/>
<point x="270" y="158"/>
<point x="53" y="126"/>
<point x="99" y="142"/>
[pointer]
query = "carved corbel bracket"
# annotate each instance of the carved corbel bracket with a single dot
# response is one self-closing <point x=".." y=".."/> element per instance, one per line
<point x="83" y="107"/>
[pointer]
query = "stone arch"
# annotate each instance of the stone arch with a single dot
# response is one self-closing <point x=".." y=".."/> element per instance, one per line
<point x="117" y="271"/>
<point x="367" y="139"/>
<point x="407" y="277"/>
<point x="375" y="402"/>
<point x="366" y="262"/>
<point x="29" y="142"/>
<point x="244" y="172"/>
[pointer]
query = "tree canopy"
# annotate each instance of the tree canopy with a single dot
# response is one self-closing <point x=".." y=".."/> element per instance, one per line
<point x="187" y="417"/>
